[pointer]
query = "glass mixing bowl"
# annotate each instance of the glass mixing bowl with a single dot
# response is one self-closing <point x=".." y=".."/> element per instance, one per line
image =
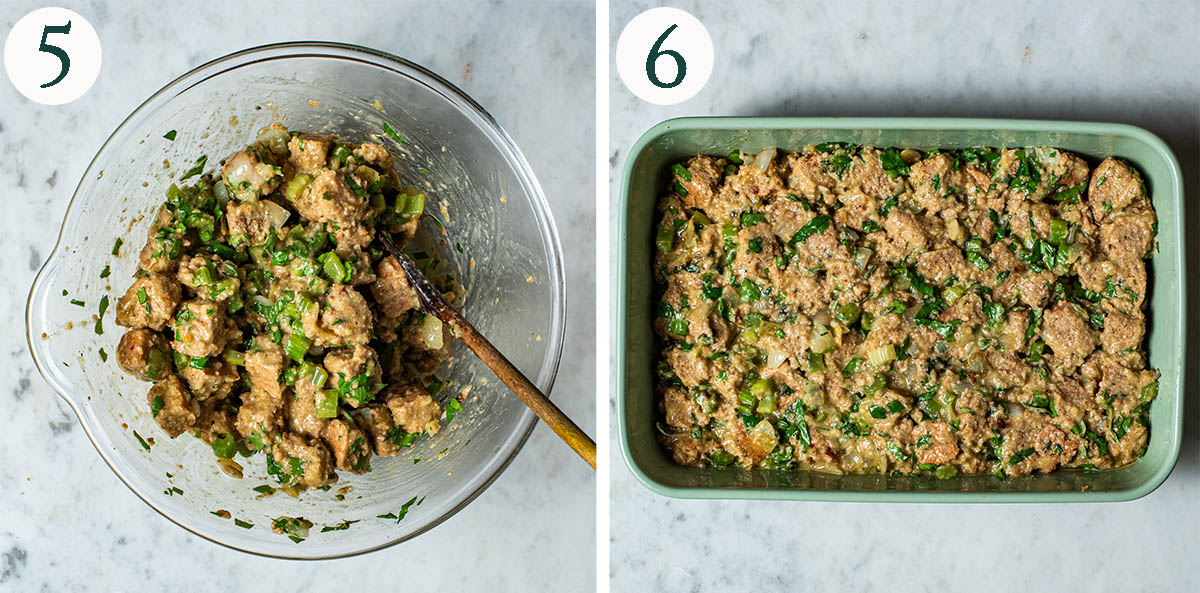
<point x="476" y="182"/>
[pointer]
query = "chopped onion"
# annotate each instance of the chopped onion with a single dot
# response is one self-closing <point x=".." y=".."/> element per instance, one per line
<point x="1074" y="252"/>
<point x="431" y="333"/>
<point x="862" y="256"/>
<point x="275" y="139"/>
<point x="764" y="158"/>
<point x="821" y="318"/>
<point x="954" y="230"/>
<point x="813" y="396"/>
<point x="775" y="358"/>
<point x="278" y="215"/>
<point x="822" y="339"/>
<point x="221" y="191"/>
<point x="764" y="437"/>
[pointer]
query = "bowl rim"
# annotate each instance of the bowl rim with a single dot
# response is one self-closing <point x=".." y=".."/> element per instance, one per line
<point x="395" y="65"/>
<point x="959" y="124"/>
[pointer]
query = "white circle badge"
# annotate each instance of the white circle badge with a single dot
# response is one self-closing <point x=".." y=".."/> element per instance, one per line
<point x="52" y="56"/>
<point x="665" y="56"/>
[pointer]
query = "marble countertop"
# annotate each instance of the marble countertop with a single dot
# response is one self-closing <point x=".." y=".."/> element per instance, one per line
<point x="1131" y="62"/>
<point x="68" y="524"/>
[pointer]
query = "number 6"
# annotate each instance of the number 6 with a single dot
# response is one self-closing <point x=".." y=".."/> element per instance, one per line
<point x="652" y="59"/>
<point x="57" y="51"/>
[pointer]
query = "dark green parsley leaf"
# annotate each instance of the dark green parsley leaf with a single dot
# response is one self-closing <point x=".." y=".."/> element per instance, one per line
<point x="452" y="407"/>
<point x="403" y="511"/>
<point x="339" y="527"/>
<point x="816" y="225"/>
<point x="839" y="164"/>
<point x="682" y="172"/>
<point x="893" y="165"/>
<point x="392" y="133"/>
<point x="143" y="442"/>
<point x="1068" y="195"/>
<point x="1020" y="456"/>
<point x="197" y="169"/>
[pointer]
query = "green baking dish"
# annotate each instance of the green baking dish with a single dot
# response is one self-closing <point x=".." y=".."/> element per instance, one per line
<point x="644" y="176"/>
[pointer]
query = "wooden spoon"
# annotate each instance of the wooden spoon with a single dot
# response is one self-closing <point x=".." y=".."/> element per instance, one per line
<point x="433" y="303"/>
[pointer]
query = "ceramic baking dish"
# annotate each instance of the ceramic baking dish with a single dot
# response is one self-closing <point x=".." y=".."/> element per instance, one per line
<point x="645" y="173"/>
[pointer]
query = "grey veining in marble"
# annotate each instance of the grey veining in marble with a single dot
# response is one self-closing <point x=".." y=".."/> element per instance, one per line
<point x="68" y="524"/>
<point x="1131" y="62"/>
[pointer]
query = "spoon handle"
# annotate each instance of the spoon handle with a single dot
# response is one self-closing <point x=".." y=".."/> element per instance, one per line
<point x="432" y="302"/>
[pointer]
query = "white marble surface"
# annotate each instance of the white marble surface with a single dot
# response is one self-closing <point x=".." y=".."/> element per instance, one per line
<point x="1133" y="62"/>
<point x="68" y="524"/>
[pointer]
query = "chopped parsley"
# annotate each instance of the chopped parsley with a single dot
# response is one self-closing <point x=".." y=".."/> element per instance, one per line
<point x="142" y="441"/>
<point x="399" y="516"/>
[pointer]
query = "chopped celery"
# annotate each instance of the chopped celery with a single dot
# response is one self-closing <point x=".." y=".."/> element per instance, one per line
<point x="412" y="205"/>
<point x="225" y="447"/>
<point x="882" y="355"/>
<point x="953" y="293"/>
<point x="665" y="240"/>
<point x="848" y="313"/>
<point x="334" y="269"/>
<point x="678" y="327"/>
<point x="945" y="472"/>
<point x="296" y="186"/>
<point x="297" y="346"/>
<point x="816" y="362"/>
<point x="1058" y="231"/>
<point x="768" y="403"/>
<point x="877" y="385"/>
<point x="327" y="404"/>
<point x="762" y="387"/>
<point x="234" y="357"/>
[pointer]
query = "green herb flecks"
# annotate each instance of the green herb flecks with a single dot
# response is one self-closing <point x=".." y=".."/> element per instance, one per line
<point x="392" y="134"/>
<point x="142" y="441"/>
<point x="1020" y="456"/>
<point x="344" y="525"/>
<point x="399" y="516"/>
<point x="812" y="227"/>
<point x="296" y="528"/>
<point x="893" y="165"/>
<point x="453" y="407"/>
<point x="100" y="317"/>
<point x="197" y="169"/>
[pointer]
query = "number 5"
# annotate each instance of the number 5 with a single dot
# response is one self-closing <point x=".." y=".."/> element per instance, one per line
<point x="652" y="59"/>
<point x="57" y="51"/>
